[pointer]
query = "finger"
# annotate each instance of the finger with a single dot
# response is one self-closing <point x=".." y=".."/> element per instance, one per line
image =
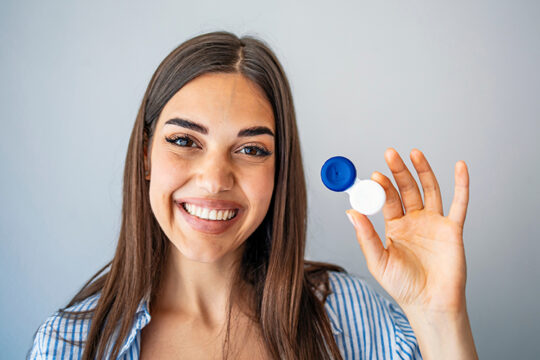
<point x="458" y="209"/>
<point x="410" y="194"/>
<point x="432" y="192"/>
<point x="369" y="241"/>
<point x="392" y="206"/>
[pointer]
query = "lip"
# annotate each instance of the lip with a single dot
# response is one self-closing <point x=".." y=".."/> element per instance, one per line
<point x="213" y="227"/>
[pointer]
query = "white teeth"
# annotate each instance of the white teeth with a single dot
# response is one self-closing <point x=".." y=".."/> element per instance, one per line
<point x="210" y="214"/>
<point x="204" y="213"/>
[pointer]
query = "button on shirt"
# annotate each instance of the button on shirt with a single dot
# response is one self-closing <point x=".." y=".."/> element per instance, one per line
<point x="365" y="325"/>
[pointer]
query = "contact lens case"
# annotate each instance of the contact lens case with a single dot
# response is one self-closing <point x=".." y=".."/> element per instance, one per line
<point x="366" y="196"/>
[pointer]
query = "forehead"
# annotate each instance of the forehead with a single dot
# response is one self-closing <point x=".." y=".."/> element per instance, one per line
<point x="221" y="97"/>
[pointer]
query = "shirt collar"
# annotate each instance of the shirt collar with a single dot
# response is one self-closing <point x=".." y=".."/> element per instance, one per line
<point x="334" y="319"/>
<point x="144" y="306"/>
<point x="142" y="318"/>
<point x="143" y="314"/>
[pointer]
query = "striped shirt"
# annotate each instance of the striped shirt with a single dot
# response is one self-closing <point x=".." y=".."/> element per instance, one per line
<point x="365" y="325"/>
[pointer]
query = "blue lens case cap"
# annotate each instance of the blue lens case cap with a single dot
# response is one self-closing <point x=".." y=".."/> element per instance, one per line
<point x="338" y="173"/>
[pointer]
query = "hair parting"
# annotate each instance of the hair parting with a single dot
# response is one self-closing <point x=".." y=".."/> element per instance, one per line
<point x="288" y="292"/>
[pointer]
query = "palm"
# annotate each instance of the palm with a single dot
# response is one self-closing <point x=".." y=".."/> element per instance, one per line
<point x="425" y="261"/>
<point x="423" y="264"/>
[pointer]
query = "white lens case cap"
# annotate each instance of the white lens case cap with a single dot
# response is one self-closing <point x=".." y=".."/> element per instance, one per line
<point x="366" y="196"/>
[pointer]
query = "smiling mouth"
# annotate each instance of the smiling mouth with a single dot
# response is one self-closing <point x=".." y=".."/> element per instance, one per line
<point x="209" y="214"/>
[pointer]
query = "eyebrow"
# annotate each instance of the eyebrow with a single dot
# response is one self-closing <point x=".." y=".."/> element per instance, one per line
<point x="188" y="124"/>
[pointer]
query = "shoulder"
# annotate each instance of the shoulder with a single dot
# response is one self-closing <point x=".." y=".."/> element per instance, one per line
<point x="62" y="334"/>
<point x="368" y="324"/>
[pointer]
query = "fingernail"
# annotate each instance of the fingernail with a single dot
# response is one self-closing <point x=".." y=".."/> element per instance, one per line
<point x="351" y="219"/>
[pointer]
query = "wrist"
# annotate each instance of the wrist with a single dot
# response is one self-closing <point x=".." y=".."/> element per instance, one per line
<point x="442" y="335"/>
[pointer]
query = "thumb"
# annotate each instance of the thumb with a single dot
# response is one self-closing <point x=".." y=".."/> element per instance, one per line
<point x="368" y="239"/>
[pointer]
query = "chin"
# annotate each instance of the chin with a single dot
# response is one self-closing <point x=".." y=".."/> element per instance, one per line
<point x="203" y="254"/>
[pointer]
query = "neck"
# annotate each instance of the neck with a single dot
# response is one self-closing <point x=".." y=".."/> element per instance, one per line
<point x="197" y="290"/>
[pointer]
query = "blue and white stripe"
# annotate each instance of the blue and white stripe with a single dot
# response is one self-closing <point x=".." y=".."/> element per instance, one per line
<point x="365" y="325"/>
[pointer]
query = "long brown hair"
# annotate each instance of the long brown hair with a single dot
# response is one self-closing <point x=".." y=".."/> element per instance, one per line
<point x="288" y="292"/>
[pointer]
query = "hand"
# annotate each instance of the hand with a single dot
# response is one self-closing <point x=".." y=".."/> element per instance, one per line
<point x="423" y="265"/>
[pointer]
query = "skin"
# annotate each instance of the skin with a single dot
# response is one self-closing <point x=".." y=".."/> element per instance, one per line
<point x="423" y="265"/>
<point x="218" y="165"/>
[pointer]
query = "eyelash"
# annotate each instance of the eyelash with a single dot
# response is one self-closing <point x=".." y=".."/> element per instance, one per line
<point x="174" y="139"/>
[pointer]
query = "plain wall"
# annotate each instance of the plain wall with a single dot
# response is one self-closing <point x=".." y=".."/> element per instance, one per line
<point x="458" y="80"/>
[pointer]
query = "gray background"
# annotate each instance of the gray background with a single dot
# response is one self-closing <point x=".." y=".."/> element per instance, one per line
<point x="458" y="80"/>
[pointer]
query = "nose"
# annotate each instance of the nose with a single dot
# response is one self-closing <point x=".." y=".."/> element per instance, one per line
<point x="215" y="175"/>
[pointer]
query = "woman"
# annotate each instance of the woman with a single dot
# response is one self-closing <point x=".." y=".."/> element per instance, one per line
<point x="210" y="258"/>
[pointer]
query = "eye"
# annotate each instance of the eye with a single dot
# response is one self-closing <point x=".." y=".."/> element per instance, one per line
<point x="255" y="151"/>
<point x="182" y="141"/>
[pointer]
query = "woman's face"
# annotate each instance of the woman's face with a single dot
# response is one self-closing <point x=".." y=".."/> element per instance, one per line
<point x="212" y="158"/>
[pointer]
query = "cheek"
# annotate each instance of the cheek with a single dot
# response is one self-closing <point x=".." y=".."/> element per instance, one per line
<point x="259" y="187"/>
<point x="168" y="173"/>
